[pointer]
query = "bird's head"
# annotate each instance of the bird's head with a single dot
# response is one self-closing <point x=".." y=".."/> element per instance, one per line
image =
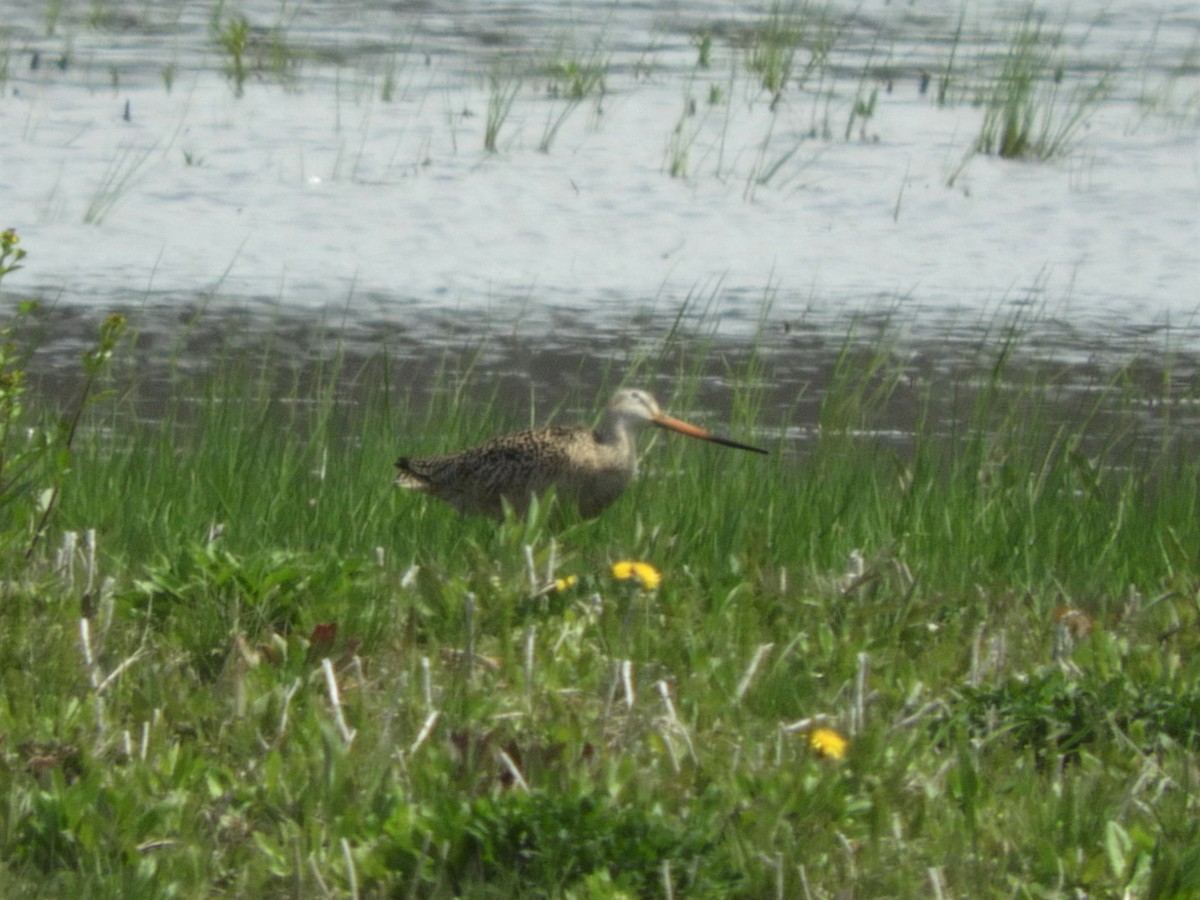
<point x="636" y="408"/>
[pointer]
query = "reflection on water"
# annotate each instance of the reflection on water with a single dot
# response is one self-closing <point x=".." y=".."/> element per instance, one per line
<point x="1124" y="391"/>
<point x="348" y="176"/>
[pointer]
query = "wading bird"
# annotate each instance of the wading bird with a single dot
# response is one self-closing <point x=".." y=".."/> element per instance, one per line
<point x="589" y="467"/>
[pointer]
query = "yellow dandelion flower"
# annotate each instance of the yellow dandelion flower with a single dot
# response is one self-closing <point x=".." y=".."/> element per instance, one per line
<point x="828" y="743"/>
<point x="564" y="584"/>
<point x="649" y="577"/>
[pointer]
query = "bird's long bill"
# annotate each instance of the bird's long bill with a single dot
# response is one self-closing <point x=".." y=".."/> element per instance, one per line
<point x="664" y="421"/>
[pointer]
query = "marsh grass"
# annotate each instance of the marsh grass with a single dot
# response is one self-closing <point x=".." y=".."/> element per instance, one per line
<point x="504" y="84"/>
<point x="572" y="81"/>
<point x="1030" y="112"/>
<point x="252" y="51"/>
<point x="682" y="138"/>
<point x="947" y="73"/>
<point x="271" y="673"/>
<point x="786" y="31"/>
<point x="771" y="162"/>
<point x="773" y="47"/>
<point x="233" y="39"/>
<point x="1169" y="96"/>
<point x="114" y="184"/>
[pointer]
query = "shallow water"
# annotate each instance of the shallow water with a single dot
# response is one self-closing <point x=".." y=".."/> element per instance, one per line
<point x="311" y="202"/>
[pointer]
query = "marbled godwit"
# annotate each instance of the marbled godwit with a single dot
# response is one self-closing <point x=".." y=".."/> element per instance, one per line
<point x="586" y="466"/>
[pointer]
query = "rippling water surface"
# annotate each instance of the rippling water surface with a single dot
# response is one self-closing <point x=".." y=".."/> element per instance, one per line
<point x="345" y="187"/>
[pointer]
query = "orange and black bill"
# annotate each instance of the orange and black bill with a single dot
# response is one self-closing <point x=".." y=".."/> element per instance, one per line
<point x="664" y="421"/>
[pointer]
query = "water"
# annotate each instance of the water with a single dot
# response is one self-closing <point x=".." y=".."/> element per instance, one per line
<point x="347" y="188"/>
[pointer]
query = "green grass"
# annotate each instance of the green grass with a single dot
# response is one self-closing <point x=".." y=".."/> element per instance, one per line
<point x="121" y="174"/>
<point x="790" y="43"/>
<point x="491" y="739"/>
<point x="504" y="83"/>
<point x="572" y="78"/>
<point x="252" y="51"/>
<point x="1031" y="112"/>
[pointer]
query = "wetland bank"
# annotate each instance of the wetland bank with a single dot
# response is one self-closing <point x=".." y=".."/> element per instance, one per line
<point x="941" y="642"/>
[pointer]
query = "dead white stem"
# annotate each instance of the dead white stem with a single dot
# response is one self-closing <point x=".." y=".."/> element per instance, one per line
<point x="469" y="615"/>
<point x="287" y="706"/>
<point x="85" y="644"/>
<point x="935" y="882"/>
<point x="409" y="578"/>
<point x="335" y="700"/>
<point x="351" y="872"/>
<point x="89" y="548"/>
<point x="426" y="682"/>
<point x="849" y="848"/>
<point x="552" y="561"/>
<point x="806" y="723"/>
<point x="93" y="670"/>
<point x="775" y="864"/>
<point x="627" y="682"/>
<point x="426" y="730"/>
<point x="316" y="874"/>
<point x="530" y="569"/>
<point x="64" y="558"/>
<point x="669" y="743"/>
<point x="530" y="646"/>
<point x="858" y="714"/>
<point x="104" y="609"/>
<point x="518" y="778"/>
<point x="914" y="718"/>
<point x="751" y="670"/>
<point x="975" y="673"/>
<point x="664" y="691"/>
<point x="116" y="673"/>
<point x="804" y="882"/>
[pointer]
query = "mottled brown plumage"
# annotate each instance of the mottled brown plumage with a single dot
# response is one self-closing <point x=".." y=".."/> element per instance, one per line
<point x="588" y="467"/>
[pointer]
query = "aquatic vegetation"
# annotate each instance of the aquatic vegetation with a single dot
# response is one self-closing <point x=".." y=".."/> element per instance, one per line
<point x="861" y="112"/>
<point x="117" y="178"/>
<point x="575" y="79"/>
<point x="1029" y="111"/>
<point x="773" y="46"/>
<point x="233" y="38"/>
<point x="946" y="75"/>
<point x="249" y="50"/>
<point x="681" y="139"/>
<point x="1171" y="96"/>
<point x="703" y="42"/>
<point x="503" y="87"/>
<point x="774" y="43"/>
<point x="572" y="81"/>
<point x="770" y="161"/>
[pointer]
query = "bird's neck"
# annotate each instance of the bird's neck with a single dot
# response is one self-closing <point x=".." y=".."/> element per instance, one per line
<point x="616" y="433"/>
